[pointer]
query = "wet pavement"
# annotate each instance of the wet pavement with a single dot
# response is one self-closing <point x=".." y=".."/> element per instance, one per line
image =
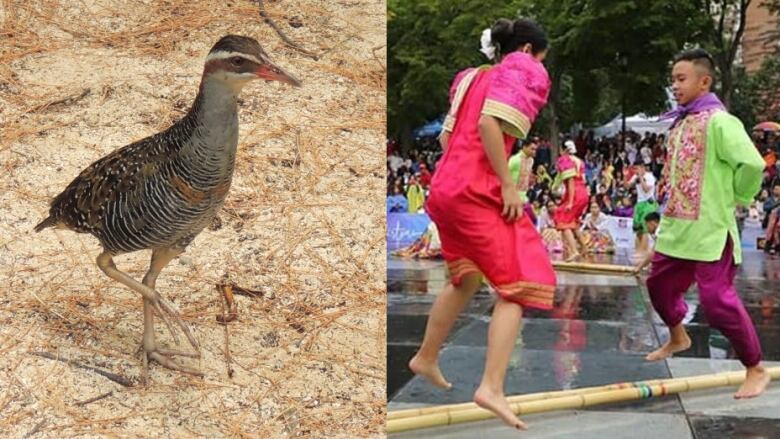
<point x="598" y="333"/>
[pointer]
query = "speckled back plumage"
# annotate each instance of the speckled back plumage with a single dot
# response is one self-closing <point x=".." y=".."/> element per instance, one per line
<point x="163" y="190"/>
<point x="157" y="192"/>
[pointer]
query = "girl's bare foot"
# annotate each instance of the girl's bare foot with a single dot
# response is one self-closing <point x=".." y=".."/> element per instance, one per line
<point x="674" y="345"/>
<point x="430" y="371"/>
<point x="756" y="380"/>
<point x="497" y="403"/>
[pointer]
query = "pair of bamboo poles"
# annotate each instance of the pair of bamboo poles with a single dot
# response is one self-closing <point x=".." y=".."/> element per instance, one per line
<point x="439" y="416"/>
<point x="413" y="419"/>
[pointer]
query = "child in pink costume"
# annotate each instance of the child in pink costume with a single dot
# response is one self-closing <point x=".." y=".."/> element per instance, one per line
<point x="475" y="204"/>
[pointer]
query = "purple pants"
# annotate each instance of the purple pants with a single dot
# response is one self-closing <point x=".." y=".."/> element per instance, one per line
<point x="529" y="210"/>
<point x="670" y="278"/>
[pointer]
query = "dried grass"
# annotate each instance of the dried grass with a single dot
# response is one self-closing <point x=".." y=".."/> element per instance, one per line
<point x="303" y="224"/>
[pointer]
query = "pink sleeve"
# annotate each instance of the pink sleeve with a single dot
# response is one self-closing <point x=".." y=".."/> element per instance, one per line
<point x="455" y="82"/>
<point x="517" y="92"/>
<point x="565" y="163"/>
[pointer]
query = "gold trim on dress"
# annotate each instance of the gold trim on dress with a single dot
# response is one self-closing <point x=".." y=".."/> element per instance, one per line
<point x="513" y="122"/>
<point x="524" y="292"/>
<point x="460" y="92"/>
<point x="569" y="173"/>
<point x="462" y="267"/>
<point x="528" y="293"/>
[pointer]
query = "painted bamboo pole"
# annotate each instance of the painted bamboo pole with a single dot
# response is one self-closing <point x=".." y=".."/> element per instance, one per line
<point x="593" y="268"/>
<point x="576" y="401"/>
<point x="408" y="413"/>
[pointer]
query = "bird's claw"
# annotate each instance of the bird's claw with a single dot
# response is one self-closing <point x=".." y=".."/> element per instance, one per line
<point x="168" y="311"/>
<point x="162" y="357"/>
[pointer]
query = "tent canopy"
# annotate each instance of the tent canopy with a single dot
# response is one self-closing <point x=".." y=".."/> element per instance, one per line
<point x="639" y="123"/>
<point x="430" y="129"/>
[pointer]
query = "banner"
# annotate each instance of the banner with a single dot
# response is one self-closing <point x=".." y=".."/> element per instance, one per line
<point x="622" y="231"/>
<point x="405" y="228"/>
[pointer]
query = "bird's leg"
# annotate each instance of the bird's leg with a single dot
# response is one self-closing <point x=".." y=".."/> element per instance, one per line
<point x="160" y="258"/>
<point x="152" y="301"/>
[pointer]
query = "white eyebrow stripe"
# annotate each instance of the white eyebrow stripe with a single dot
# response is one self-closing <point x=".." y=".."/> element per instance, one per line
<point x="225" y="55"/>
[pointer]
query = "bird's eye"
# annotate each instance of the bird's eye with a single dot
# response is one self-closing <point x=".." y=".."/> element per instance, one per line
<point x="237" y="61"/>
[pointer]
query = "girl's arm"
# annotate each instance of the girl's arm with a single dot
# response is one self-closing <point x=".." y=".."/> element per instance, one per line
<point x="493" y="140"/>
<point x="570" y="190"/>
<point x="444" y="139"/>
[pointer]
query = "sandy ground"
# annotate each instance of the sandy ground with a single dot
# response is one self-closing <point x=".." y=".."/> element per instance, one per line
<point x="303" y="223"/>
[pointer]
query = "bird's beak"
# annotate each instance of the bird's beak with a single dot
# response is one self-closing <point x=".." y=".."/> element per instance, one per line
<point x="272" y="72"/>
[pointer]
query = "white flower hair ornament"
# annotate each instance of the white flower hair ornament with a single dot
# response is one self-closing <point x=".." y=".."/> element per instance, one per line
<point x="488" y="48"/>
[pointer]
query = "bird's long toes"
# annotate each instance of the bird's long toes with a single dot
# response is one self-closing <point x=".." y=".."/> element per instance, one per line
<point x="175" y="353"/>
<point x="170" y="364"/>
<point x="167" y="321"/>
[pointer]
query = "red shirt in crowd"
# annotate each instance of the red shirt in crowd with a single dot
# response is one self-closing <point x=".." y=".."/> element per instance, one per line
<point x="425" y="176"/>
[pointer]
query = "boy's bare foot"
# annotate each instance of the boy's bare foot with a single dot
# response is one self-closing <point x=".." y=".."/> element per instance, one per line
<point x="497" y="403"/>
<point x="674" y="345"/>
<point x="756" y="380"/>
<point x="429" y="371"/>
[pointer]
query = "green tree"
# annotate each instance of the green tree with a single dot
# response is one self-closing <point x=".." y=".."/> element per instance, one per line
<point x="610" y="56"/>
<point x="720" y="30"/>
<point x="756" y="97"/>
<point x="428" y="42"/>
<point x="606" y="57"/>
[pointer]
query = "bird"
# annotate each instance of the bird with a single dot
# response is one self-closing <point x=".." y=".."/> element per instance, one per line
<point x="160" y="192"/>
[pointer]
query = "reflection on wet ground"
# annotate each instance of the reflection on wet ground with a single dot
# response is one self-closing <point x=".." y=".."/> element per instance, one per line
<point x="598" y="333"/>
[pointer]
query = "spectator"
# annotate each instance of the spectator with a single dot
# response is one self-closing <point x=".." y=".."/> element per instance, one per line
<point x="542" y="176"/>
<point x="624" y="208"/>
<point x="396" y="203"/>
<point x="772" y="209"/>
<point x="553" y="240"/>
<point x="644" y="181"/>
<point x="647" y="154"/>
<point x="770" y="158"/>
<point x="543" y="153"/>
<point x="425" y="176"/>
<point x="631" y="152"/>
<point x="651" y="224"/>
<point x="415" y="196"/>
<point x="595" y="220"/>
<point x="596" y="232"/>
<point x="772" y="202"/>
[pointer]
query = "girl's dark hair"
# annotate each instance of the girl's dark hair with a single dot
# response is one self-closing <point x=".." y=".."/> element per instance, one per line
<point x="508" y="35"/>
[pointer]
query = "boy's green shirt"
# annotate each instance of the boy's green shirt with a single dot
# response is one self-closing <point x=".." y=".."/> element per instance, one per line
<point x="712" y="165"/>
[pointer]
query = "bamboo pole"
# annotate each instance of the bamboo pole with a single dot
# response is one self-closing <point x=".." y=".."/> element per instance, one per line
<point x="588" y="267"/>
<point x="641" y="390"/>
<point x="408" y="413"/>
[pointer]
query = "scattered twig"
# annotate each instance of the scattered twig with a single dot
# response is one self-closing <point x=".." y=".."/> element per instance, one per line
<point x="241" y="291"/>
<point x="112" y="376"/>
<point x="227" y="292"/>
<point x="297" y="161"/>
<point x="69" y="100"/>
<point x="339" y="44"/>
<point x="267" y="18"/>
<point x="35" y="429"/>
<point x="97" y="398"/>
<point x="374" y="55"/>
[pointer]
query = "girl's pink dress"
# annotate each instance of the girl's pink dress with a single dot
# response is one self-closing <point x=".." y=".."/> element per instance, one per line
<point x="571" y="167"/>
<point x="465" y="199"/>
